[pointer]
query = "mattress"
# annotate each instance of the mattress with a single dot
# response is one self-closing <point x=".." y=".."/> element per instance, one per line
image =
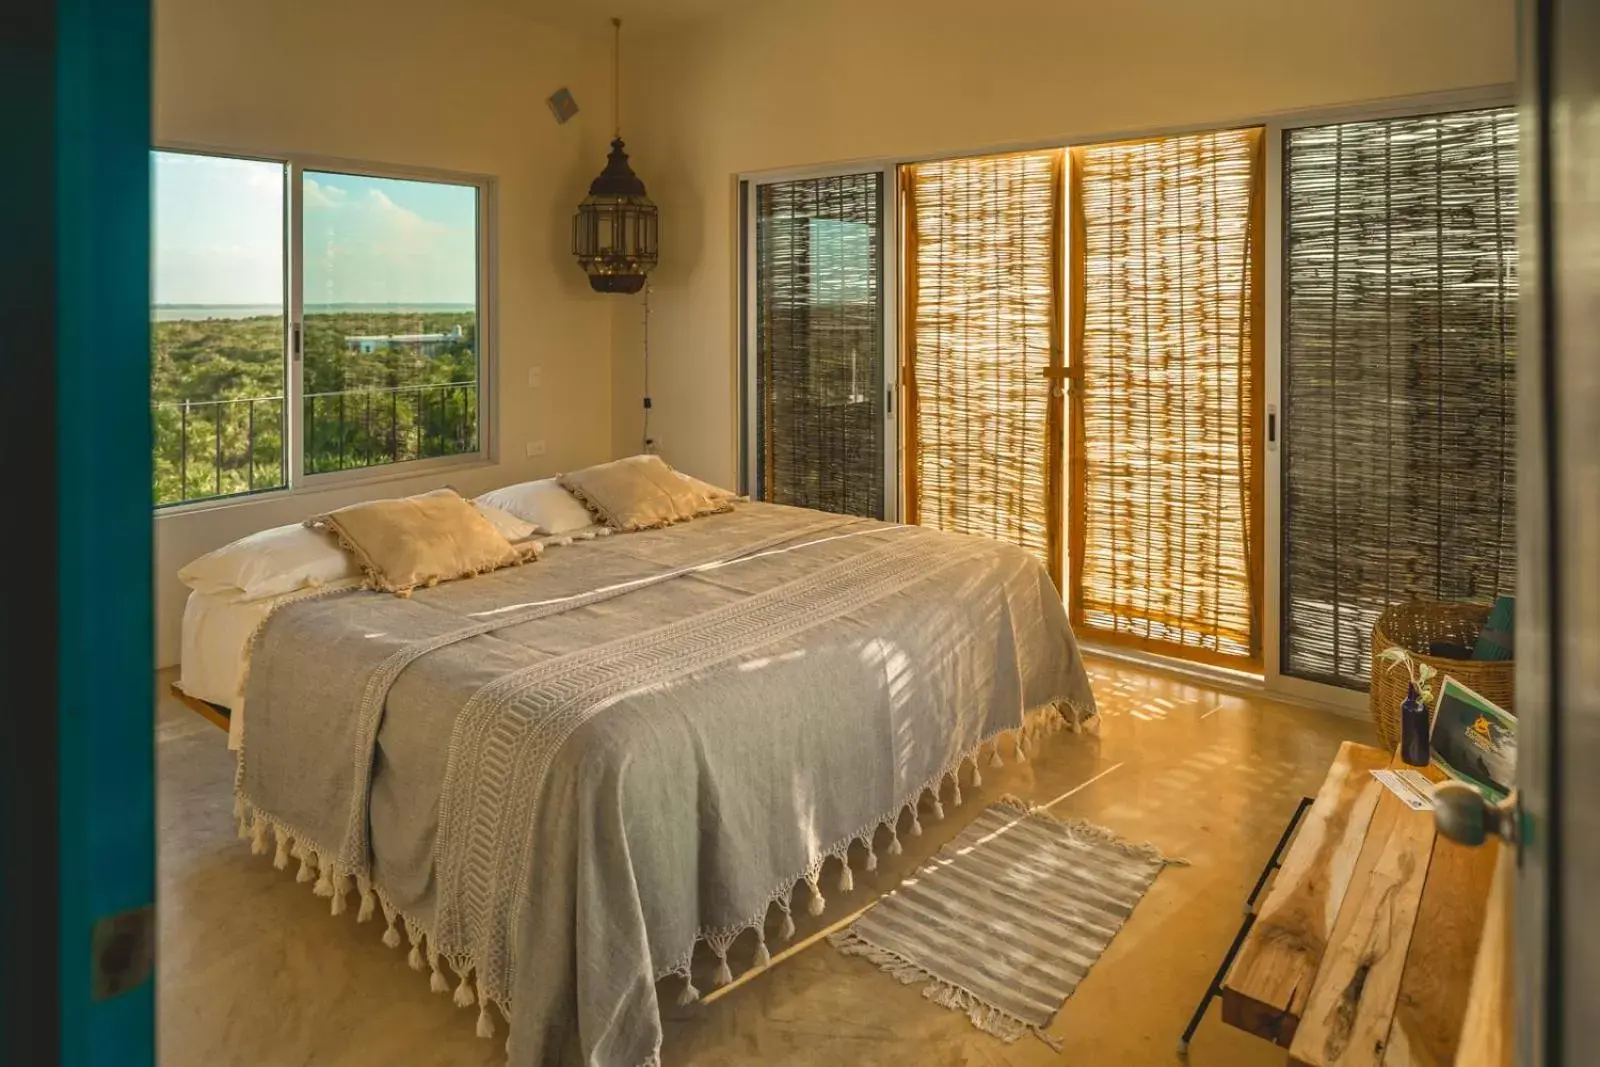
<point x="215" y="645"/>
<point x="217" y="631"/>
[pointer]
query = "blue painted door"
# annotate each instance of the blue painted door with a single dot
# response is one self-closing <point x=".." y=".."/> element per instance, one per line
<point x="104" y="724"/>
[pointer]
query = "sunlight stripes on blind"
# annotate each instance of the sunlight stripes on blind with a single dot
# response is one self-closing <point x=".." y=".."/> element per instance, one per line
<point x="982" y="328"/>
<point x="1167" y="348"/>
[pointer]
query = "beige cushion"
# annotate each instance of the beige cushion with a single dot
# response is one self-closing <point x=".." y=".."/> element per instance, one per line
<point x="421" y="540"/>
<point x="639" y="493"/>
<point x="715" y="492"/>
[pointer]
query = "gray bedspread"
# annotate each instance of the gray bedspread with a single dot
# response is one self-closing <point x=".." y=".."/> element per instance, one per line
<point x="556" y="779"/>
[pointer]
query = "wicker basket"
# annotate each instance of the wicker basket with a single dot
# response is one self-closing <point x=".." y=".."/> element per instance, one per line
<point x="1418" y="626"/>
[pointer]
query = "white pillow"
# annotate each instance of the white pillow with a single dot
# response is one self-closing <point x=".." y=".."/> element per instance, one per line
<point x="270" y="563"/>
<point x="544" y="503"/>
<point x="510" y="526"/>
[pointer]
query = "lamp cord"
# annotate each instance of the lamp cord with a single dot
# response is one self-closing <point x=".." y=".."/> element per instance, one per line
<point x="616" y="77"/>
<point x="648" y="443"/>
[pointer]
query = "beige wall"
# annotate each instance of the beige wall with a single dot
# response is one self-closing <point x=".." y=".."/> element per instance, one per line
<point x="434" y="85"/>
<point x="783" y="85"/>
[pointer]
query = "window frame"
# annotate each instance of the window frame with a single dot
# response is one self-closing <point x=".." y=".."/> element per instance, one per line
<point x="1355" y="701"/>
<point x="888" y="172"/>
<point x="298" y="482"/>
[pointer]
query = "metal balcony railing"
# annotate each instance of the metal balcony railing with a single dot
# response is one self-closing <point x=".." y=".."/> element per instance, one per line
<point x="206" y="449"/>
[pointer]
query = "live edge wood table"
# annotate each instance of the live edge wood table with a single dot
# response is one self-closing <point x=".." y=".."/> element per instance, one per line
<point x="1362" y="952"/>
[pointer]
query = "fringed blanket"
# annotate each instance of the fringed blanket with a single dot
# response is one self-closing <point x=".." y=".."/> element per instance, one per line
<point x="557" y="779"/>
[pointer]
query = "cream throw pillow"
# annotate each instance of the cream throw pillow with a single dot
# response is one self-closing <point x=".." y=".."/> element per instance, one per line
<point x="544" y="503"/>
<point x="421" y="540"/>
<point x="270" y="563"/>
<point x="511" y="527"/>
<point x="639" y="493"/>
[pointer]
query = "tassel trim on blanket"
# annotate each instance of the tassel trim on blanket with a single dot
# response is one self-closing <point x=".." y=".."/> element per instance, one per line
<point x="337" y="885"/>
<point x="1036" y="724"/>
<point x="267" y="834"/>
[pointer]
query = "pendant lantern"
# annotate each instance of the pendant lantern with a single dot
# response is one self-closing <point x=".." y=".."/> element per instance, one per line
<point x="614" y="233"/>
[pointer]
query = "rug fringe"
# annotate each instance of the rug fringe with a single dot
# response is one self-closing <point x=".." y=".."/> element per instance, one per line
<point x="1089" y="831"/>
<point x="986" y="1017"/>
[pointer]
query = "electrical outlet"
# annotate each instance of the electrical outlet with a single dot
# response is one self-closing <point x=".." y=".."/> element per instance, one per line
<point x="535" y="377"/>
<point x="533" y="448"/>
<point x="652" y="446"/>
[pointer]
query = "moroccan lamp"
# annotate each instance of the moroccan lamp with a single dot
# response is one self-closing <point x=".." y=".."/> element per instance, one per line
<point x="614" y="233"/>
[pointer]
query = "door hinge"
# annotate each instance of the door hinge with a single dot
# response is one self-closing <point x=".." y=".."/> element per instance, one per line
<point x="123" y="951"/>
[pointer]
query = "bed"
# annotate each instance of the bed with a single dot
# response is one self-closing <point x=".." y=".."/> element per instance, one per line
<point x="555" y="780"/>
<point x="216" y="634"/>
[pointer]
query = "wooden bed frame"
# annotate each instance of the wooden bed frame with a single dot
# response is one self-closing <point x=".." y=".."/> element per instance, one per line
<point x="215" y="714"/>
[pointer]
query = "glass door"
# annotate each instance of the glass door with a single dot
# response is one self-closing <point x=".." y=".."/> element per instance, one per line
<point x="820" y="406"/>
<point x="983" y="352"/>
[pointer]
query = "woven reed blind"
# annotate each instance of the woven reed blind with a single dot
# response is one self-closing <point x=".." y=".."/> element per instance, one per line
<point x="1399" y="347"/>
<point x="982" y="326"/>
<point x="819" y="343"/>
<point x="1167" y="378"/>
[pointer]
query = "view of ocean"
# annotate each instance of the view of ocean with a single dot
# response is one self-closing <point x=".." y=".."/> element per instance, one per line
<point x="197" y="312"/>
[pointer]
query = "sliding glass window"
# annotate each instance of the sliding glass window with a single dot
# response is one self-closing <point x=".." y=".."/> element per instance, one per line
<point x="341" y="310"/>
<point x="819" y="397"/>
<point x="218" y="326"/>
<point x="1399" y="376"/>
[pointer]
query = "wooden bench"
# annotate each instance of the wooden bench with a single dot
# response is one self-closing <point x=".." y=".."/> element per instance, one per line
<point x="1362" y="952"/>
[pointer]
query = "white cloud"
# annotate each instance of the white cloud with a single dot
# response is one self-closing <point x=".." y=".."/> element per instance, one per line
<point x="396" y="214"/>
<point x="323" y="196"/>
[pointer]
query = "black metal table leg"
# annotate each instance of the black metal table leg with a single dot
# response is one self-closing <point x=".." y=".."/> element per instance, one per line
<point x="1215" y="989"/>
<point x="1277" y="853"/>
<point x="1216" y="985"/>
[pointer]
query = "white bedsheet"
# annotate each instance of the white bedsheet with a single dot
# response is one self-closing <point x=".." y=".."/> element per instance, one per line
<point x="217" y="629"/>
<point x="216" y="633"/>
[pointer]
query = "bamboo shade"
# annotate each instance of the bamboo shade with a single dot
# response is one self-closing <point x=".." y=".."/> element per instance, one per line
<point x="1399" y="343"/>
<point x="1167" y="358"/>
<point x="983" y="322"/>
<point x="819" y="343"/>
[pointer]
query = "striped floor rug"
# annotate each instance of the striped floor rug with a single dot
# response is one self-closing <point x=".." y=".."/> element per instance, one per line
<point x="1005" y="921"/>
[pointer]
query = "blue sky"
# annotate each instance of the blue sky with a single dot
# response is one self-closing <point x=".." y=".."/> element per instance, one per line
<point x="218" y="236"/>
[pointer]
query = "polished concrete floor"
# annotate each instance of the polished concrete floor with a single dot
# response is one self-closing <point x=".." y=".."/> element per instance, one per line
<point x="253" y="969"/>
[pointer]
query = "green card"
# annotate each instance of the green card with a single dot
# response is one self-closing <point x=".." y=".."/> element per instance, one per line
<point x="1474" y="740"/>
